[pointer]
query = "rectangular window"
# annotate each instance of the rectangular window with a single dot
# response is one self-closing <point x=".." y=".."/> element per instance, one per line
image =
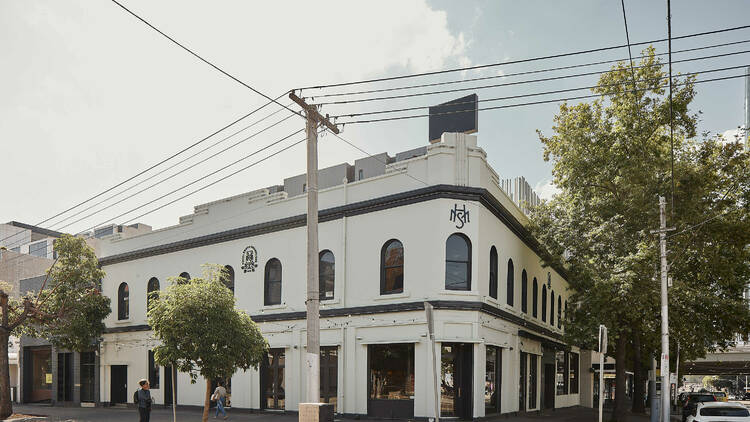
<point x="522" y="382"/>
<point x="272" y="379"/>
<point x="561" y="359"/>
<point x="153" y="371"/>
<point x="492" y="376"/>
<point x="38" y="249"/>
<point x="361" y="175"/>
<point x="329" y="369"/>
<point x="574" y="373"/>
<point x="391" y="372"/>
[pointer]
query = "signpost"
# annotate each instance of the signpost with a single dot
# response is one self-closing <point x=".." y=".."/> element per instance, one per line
<point x="602" y="352"/>
<point x="431" y="332"/>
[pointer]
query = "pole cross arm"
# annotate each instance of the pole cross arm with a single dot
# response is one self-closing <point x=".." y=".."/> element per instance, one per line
<point x="313" y="111"/>
<point x="664" y="230"/>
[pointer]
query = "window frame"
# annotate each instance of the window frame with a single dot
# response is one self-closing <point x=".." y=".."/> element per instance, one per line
<point x="552" y="308"/>
<point x="559" y="311"/>
<point x="267" y="283"/>
<point x="535" y="298"/>
<point x="494" y="267"/>
<point x="321" y="282"/>
<point x="384" y="269"/>
<point x="510" y="284"/>
<point x="467" y="262"/>
<point x="544" y="303"/>
<point x="229" y="280"/>
<point x="123" y="302"/>
<point x="524" y="292"/>
<point x="150" y="289"/>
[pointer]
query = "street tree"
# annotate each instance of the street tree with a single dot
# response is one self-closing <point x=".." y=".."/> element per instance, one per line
<point x="67" y="310"/>
<point x="611" y="160"/>
<point x="201" y="332"/>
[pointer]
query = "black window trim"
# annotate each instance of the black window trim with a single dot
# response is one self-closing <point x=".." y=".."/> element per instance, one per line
<point x="383" y="267"/>
<point x="267" y="281"/>
<point x="467" y="262"/>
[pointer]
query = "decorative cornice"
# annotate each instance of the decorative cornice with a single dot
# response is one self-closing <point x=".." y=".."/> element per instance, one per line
<point x="429" y="193"/>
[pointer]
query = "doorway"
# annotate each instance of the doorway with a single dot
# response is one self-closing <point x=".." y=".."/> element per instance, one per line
<point x="457" y="363"/>
<point x="549" y="386"/>
<point x="64" y="377"/>
<point x="329" y="375"/>
<point x="119" y="387"/>
<point x="37" y="373"/>
<point x="522" y="382"/>
<point x="391" y="382"/>
<point x="272" y="380"/>
<point x="170" y="390"/>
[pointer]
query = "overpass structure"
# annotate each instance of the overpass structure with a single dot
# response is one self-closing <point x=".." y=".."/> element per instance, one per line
<point x="732" y="361"/>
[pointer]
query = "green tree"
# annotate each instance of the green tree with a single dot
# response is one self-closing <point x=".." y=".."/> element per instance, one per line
<point x="611" y="161"/>
<point x="201" y="332"/>
<point x="67" y="311"/>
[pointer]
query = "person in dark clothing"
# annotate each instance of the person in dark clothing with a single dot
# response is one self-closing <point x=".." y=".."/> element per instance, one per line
<point x="142" y="398"/>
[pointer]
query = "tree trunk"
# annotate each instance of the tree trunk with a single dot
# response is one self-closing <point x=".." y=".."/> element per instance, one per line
<point x="6" y="406"/>
<point x="207" y="403"/>
<point x="619" y="411"/>
<point x="638" y="403"/>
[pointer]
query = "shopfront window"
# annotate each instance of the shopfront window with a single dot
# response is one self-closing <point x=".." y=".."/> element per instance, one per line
<point x="88" y="374"/>
<point x="492" y="380"/>
<point x="561" y="360"/>
<point x="391" y="371"/>
<point x="272" y="377"/>
<point x="574" y="373"/>
<point x="532" y="381"/>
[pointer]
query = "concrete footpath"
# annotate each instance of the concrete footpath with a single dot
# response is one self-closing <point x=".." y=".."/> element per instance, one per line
<point x="116" y="414"/>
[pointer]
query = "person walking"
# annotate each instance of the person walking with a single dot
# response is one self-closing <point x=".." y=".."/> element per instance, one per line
<point x="220" y="395"/>
<point x="142" y="398"/>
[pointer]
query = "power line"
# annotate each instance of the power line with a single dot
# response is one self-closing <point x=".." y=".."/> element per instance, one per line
<point x="515" y="105"/>
<point x="199" y="57"/>
<point x="153" y="166"/>
<point x="552" y="56"/>
<point x="175" y="165"/>
<point x="509" y="97"/>
<point x="523" y="82"/>
<point x="199" y="179"/>
<point x="528" y="72"/>
<point x="179" y="172"/>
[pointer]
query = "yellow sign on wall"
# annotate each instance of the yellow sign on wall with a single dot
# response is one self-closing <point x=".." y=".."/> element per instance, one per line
<point x="48" y="378"/>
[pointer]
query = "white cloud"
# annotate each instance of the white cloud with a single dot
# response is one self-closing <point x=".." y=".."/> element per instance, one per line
<point x="546" y="189"/>
<point x="732" y="135"/>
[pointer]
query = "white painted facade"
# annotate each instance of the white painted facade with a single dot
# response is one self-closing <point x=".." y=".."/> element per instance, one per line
<point x="421" y="221"/>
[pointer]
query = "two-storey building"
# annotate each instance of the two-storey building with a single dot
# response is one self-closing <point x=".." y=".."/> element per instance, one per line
<point x="430" y="225"/>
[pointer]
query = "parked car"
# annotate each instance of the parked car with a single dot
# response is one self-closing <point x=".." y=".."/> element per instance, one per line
<point x="720" y="396"/>
<point x="691" y="404"/>
<point x="746" y="396"/>
<point x="718" y="411"/>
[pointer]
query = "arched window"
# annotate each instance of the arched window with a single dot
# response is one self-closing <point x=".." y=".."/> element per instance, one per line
<point x="326" y="274"/>
<point x="185" y="277"/>
<point x="493" y="272"/>
<point x="534" y="299"/>
<point x="544" y="303"/>
<point x="123" y="301"/>
<point x="552" y="308"/>
<point x="457" y="262"/>
<point x="524" y="292"/>
<point x="392" y="267"/>
<point x="559" y="311"/>
<point x="152" y="291"/>
<point x="510" y="282"/>
<point x="272" y="283"/>
<point x="229" y="277"/>
<point x="566" y="309"/>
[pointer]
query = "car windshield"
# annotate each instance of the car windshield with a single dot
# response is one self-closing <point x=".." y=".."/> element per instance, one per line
<point x="724" y="411"/>
<point x="720" y="394"/>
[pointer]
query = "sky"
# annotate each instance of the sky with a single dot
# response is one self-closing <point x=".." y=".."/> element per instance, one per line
<point x="92" y="96"/>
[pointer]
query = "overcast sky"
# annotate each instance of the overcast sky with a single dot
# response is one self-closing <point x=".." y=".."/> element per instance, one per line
<point x="90" y="96"/>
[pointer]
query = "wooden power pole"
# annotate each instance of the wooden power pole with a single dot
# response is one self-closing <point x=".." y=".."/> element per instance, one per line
<point x="312" y="357"/>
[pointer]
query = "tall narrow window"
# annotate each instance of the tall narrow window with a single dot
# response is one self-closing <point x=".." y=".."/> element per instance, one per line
<point x="458" y="262"/>
<point x="493" y="272"/>
<point x="229" y="277"/>
<point x="534" y="299"/>
<point x="552" y="308"/>
<point x="544" y="303"/>
<point x="510" y="282"/>
<point x="524" y="292"/>
<point x="272" y="283"/>
<point x="559" y="311"/>
<point x="565" y="315"/>
<point x="123" y="301"/>
<point x="573" y="373"/>
<point x="392" y="267"/>
<point x="152" y="291"/>
<point x="326" y="275"/>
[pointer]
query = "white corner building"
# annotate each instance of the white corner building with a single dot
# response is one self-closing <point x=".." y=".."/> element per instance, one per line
<point x="428" y="225"/>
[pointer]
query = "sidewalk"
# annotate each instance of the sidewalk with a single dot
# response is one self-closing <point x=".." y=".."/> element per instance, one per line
<point x="117" y="414"/>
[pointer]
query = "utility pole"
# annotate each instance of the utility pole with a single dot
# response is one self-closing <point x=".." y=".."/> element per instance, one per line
<point x="747" y="109"/>
<point x="665" y="406"/>
<point x="312" y="357"/>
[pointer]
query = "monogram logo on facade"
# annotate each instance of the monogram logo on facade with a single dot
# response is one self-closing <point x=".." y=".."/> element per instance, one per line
<point x="249" y="259"/>
<point x="460" y="216"/>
